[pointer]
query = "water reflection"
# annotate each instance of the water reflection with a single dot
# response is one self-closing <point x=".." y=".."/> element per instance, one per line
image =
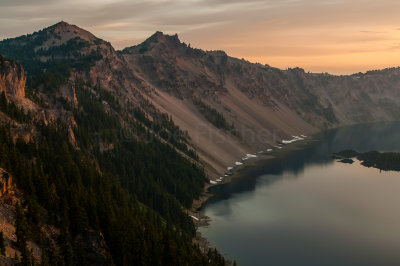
<point x="308" y="209"/>
<point x="366" y="137"/>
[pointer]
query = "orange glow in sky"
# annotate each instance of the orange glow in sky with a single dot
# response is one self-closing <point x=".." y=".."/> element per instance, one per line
<point x="336" y="36"/>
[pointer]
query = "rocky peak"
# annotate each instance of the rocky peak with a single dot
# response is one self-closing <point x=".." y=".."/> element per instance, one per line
<point x="12" y="79"/>
<point x="67" y="31"/>
<point x="61" y="43"/>
<point x="160" y="37"/>
<point x="66" y="41"/>
<point x="158" y="41"/>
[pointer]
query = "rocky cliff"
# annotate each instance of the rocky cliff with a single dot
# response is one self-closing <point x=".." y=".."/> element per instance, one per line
<point x="256" y="105"/>
<point x="6" y="184"/>
<point x="12" y="79"/>
<point x="102" y="166"/>
<point x="109" y="146"/>
<point x="264" y="104"/>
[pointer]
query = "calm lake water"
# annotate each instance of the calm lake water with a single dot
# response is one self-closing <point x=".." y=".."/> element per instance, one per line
<point x="308" y="209"/>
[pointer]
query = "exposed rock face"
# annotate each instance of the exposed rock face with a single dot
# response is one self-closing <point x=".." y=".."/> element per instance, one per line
<point x="9" y="197"/>
<point x="5" y="182"/>
<point x="162" y="74"/>
<point x="178" y="73"/>
<point x="321" y="100"/>
<point x="6" y="187"/>
<point x="264" y="103"/>
<point x="12" y="79"/>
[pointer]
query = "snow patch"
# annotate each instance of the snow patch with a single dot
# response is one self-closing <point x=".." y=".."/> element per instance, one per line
<point x="195" y="218"/>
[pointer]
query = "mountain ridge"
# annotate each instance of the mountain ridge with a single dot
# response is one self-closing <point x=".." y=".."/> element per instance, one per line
<point x="286" y="94"/>
<point x="111" y="148"/>
<point x="88" y="170"/>
<point x="265" y="104"/>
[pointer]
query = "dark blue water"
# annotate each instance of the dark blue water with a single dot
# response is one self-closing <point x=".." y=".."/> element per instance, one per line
<point x="307" y="209"/>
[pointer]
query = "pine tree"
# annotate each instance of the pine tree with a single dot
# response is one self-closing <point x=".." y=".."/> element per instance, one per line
<point x="2" y="244"/>
<point x="27" y="258"/>
<point x="21" y="227"/>
<point x="16" y="257"/>
<point x="66" y="246"/>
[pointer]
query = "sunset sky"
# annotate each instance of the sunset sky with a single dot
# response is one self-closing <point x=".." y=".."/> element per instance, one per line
<point x="336" y="36"/>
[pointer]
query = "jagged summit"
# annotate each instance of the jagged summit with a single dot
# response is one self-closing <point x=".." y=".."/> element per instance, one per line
<point x="159" y="36"/>
<point x="158" y="39"/>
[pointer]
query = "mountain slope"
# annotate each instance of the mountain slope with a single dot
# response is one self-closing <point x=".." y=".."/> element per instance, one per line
<point x="121" y="143"/>
<point x="87" y="168"/>
<point x="258" y="105"/>
<point x="263" y="103"/>
<point x="180" y="74"/>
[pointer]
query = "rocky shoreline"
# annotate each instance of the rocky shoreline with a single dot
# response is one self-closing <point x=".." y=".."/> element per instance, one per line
<point x="237" y="172"/>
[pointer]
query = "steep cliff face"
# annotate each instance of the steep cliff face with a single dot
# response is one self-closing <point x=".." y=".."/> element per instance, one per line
<point x="62" y="60"/>
<point x="321" y="100"/>
<point x="265" y="104"/>
<point x="6" y="185"/>
<point x="103" y="156"/>
<point x="12" y="79"/>
<point x="180" y="74"/>
<point x="64" y="47"/>
<point x="102" y="126"/>
<point x="359" y="98"/>
<point x="10" y="196"/>
<point x="257" y="104"/>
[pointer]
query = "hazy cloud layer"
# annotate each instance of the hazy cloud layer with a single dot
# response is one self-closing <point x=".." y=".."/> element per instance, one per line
<point x="319" y="35"/>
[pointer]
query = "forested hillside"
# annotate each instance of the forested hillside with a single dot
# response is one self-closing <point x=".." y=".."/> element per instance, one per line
<point x="109" y="149"/>
<point x="100" y="171"/>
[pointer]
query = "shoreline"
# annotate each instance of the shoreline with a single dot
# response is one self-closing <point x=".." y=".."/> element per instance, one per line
<point x="238" y="172"/>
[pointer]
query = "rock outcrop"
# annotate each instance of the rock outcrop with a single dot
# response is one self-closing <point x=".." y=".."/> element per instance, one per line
<point x="5" y="183"/>
<point x="12" y="79"/>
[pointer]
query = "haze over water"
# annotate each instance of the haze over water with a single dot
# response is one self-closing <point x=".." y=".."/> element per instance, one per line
<point x="308" y="209"/>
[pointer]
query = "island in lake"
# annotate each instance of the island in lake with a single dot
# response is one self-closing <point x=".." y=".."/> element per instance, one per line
<point x="387" y="161"/>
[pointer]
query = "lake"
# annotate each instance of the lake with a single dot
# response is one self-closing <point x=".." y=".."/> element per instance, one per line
<point x="308" y="209"/>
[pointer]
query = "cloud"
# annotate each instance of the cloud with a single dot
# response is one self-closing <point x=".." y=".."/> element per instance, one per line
<point x="19" y="3"/>
<point x="278" y="32"/>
